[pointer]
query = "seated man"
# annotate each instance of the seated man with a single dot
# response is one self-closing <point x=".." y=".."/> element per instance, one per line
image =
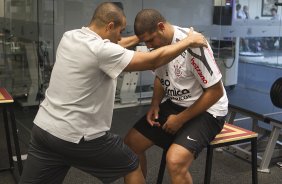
<point x="196" y="104"/>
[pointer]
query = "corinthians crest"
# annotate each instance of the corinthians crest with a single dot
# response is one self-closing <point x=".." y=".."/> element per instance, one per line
<point x="178" y="70"/>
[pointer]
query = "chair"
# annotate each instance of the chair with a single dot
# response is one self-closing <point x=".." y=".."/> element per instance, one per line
<point x="6" y="102"/>
<point x="229" y="135"/>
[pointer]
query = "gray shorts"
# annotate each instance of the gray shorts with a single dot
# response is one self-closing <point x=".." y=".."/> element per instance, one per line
<point x="194" y="135"/>
<point x="49" y="158"/>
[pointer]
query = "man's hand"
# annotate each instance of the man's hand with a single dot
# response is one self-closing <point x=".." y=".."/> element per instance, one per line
<point x="172" y="124"/>
<point x="196" y="39"/>
<point x="152" y="115"/>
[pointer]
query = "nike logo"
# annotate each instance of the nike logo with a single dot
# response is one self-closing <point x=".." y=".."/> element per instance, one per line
<point x="189" y="138"/>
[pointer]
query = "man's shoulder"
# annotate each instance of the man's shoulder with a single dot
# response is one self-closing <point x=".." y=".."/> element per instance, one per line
<point x="73" y="34"/>
<point x="72" y="31"/>
<point x="181" y="30"/>
<point x="180" y="33"/>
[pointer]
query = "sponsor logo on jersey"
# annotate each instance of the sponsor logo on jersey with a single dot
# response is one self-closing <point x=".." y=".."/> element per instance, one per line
<point x="176" y="94"/>
<point x="198" y="70"/>
<point x="202" y="58"/>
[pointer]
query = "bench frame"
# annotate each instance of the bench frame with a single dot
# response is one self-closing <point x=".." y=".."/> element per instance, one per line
<point x="251" y="137"/>
<point x="210" y="149"/>
<point x="272" y="139"/>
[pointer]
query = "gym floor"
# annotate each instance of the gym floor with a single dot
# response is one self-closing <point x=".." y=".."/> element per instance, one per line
<point x="227" y="168"/>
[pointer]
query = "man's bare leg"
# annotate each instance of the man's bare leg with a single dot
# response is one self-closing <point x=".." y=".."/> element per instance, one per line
<point x="143" y="163"/>
<point x="179" y="160"/>
<point x="139" y="144"/>
<point x="135" y="177"/>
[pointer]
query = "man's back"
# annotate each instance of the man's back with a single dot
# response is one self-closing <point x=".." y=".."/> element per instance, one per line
<point x="85" y="70"/>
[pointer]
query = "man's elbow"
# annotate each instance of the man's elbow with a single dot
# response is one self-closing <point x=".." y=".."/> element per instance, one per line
<point x="154" y="66"/>
<point x="220" y="92"/>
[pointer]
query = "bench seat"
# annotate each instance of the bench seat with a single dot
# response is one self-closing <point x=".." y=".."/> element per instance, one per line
<point x="229" y="135"/>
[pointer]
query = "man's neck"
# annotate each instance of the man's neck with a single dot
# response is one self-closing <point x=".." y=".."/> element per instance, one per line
<point x="170" y="32"/>
<point x="98" y="30"/>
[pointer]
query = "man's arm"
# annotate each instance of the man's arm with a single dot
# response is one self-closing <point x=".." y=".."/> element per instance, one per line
<point x="210" y="96"/>
<point x="158" y="95"/>
<point x="129" y="41"/>
<point x="161" y="56"/>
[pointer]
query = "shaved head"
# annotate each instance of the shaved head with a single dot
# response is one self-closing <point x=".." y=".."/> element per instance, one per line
<point x="106" y="13"/>
<point x="146" y="21"/>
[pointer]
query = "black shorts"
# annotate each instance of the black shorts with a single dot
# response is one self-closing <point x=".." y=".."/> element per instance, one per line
<point x="194" y="135"/>
<point x="49" y="158"/>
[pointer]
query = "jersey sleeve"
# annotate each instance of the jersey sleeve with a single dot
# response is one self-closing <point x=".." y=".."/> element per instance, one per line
<point x="203" y="66"/>
<point x="113" y="58"/>
<point x="157" y="72"/>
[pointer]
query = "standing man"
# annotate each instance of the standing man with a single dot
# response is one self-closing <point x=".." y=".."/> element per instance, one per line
<point x="244" y="15"/>
<point x="239" y="12"/>
<point x="196" y="104"/>
<point x="73" y="122"/>
<point x="274" y="15"/>
<point x="246" y="12"/>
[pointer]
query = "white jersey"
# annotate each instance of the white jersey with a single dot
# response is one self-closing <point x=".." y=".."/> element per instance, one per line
<point x="185" y="78"/>
<point x="79" y="101"/>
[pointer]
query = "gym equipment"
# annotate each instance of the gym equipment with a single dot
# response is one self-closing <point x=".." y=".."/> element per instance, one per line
<point x="276" y="125"/>
<point x="276" y="93"/>
<point x="134" y="88"/>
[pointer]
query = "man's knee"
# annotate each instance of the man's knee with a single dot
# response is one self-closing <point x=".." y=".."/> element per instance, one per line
<point x="137" y="142"/>
<point x="179" y="158"/>
<point x="130" y="139"/>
